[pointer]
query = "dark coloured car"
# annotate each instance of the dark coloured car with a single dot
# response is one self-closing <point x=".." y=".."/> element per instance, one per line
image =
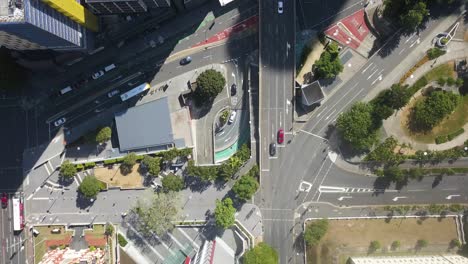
<point x="4" y="200"/>
<point x="280" y="136"/>
<point x="233" y="89"/>
<point x="272" y="149"/>
<point x="186" y="60"/>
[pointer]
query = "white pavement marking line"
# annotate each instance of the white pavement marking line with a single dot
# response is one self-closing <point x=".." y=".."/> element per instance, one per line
<point x="208" y="56"/>
<point x="330" y="114"/>
<point x="415" y="42"/>
<point x="323" y="179"/>
<point x="307" y="132"/>
<point x="274" y="157"/>
<point x="451" y="196"/>
<point x="344" y="197"/>
<point x="333" y="156"/>
<point x="76" y="181"/>
<point x="323" y="110"/>
<point x="410" y="37"/>
<point x="146" y="242"/>
<point x="188" y="237"/>
<point x="175" y="240"/>
<point x="29" y="197"/>
<point x="79" y="178"/>
<point x="40" y="198"/>
<point x="50" y="164"/>
<point x="370" y="76"/>
<point x="401" y="51"/>
<point x="45" y="166"/>
<point x="398" y="197"/>
<point x="305" y="186"/>
<point x="330" y="189"/>
<point x="265" y="169"/>
<point x="377" y="79"/>
<point x="363" y="71"/>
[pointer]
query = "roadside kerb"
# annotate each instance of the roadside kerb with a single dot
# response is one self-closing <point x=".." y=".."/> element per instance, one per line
<point x="260" y="165"/>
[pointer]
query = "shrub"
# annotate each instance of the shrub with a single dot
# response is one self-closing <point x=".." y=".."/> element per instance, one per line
<point x="109" y="229"/>
<point x="104" y="135"/>
<point x="79" y="167"/>
<point x="459" y="82"/>
<point x="374" y="246"/>
<point x="122" y="241"/>
<point x="127" y="162"/>
<point x="455" y="134"/>
<point x="422" y="243"/>
<point x="172" y="183"/>
<point x="455" y="208"/>
<point x="455" y="243"/>
<point x="315" y="231"/>
<point x="451" y="81"/>
<point x="396" y="244"/>
<point x="441" y="81"/>
<point x="67" y="169"/>
<point x="90" y="165"/>
<point x="109" y="161"/>
<point x="435" y="53"/>
<point x="92" y="248"/>
<point x="441" y="139"/>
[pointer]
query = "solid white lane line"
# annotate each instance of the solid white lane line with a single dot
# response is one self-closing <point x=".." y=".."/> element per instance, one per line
<point x="188" y="237"/>
<point x="370" y="76"/>
<point x="401" y="51"/>
<point x="175" y="240"/>
<point x="367" y="68"/>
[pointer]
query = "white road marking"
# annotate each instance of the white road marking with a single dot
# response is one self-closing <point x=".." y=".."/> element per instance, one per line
<point x="410" y="37"/>
<point x="415" y="42"/>
<point x="40" y="198"/>
<point x="29" y="197"/>
<point x="451" y="196"/>
<point x="333" y="156"/>
<point x="401" y="51"/>
<point x="305" y="186"/>
<point x="45" y="166"/>
<point x="175" y="240"/>
<point x="377" y="79"/>
<point x="330" y="114"/>
<point x="365" y="69"/>
<point x="370" y="76"/>
<point x="188" y="237"/>
<point x="274" y="157"/>
<point x="307" y="132"/>
<point x="344" y="197"/>
<point x="398" y="197"/>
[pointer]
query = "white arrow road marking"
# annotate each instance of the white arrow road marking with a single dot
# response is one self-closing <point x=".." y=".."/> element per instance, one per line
<point x="332" y="155"/>
<point x="398" y="197"/>
<point x="451" y="196"/>
<point x="344" y="197"/>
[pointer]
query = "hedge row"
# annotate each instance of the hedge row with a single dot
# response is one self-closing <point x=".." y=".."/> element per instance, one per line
<point x="449" y="137"/>
<point x="122" y="241"/>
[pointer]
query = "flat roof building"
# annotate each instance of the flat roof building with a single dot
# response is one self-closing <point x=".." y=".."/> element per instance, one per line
<point x="312" y="93"/>
<point x="108" y="7"/>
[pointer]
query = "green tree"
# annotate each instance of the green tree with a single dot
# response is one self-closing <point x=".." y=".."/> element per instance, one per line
<point x="394" y="174"/>
<point x="225" y="213"/>
<point x="67" y="169"/>
<point x="104" y="135"/>
<point x="206" y="173"/>
<point x="209" y="84"/>
<point x="245" y="187"/>
<point x="374" y="246"/>
<point x="226" y="171"/>
<point x="152" y="164"/>
<point x="399" y="96"/>
<point x="430" y="111"/>
<point x="109" y="230"/>
<point x="441" y="81"/>
<point x="459" y="82"/>
<point x="127" y="163"/>
<point x="396" y="245"/>
<point x="172" y="183"/>
<point x="451" y="81"/>
<point x="157" y="212"/>
<point x="356" y="126"/>
<point x="261" y="254"/>
<point x="414" y="17"/>
<point x="435" y="53"/>
<point x="422" y="243"/>
<point x="385" y="152"/>
<point x="224" y="117"/>
<point x="329" y="64"/>
<point x="90" y="187"/>
<point x="416" y="173"/>
<point x="315" y="231"/>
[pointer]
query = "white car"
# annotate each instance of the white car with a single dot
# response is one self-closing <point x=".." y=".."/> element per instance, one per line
<point x="60" y="122"/>
<point x="280" y="7"/>
<point x="98" y="74"/>
<point x="232" y="117"/>
<point x="112" y="93"/>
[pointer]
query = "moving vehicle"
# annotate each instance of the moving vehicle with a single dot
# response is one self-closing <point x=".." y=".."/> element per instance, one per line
<point x="272" y="149"/>
<point x="232" y="117"/>
<point x="4" y="200"/>
<point x="233" y="89"/>
<point x="186" y="60"/>
<point x="135" y="91"/>
<point x="18" y="214"/>
<point x="280" y="7"/>
<point x="97" y="75"/>
<point x="112" y="93"/>
<point x="109" y="67"/>
<point x="59" y="122"/>
<point x="280" y="136"/>
<point x="65" y="90"/>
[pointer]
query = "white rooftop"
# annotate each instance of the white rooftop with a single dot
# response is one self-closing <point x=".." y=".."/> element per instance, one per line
<point x="434" y="259"/>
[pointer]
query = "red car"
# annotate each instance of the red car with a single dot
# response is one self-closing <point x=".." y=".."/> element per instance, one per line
<point x="280" y="136"/>
<point x="4" y="200"/>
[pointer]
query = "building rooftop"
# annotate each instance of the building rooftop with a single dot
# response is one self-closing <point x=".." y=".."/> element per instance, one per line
<point x="433" y="259"/>
<point x="145" y="126"/>
<point x="11" y="10"/>
<point x="312" y="93"/>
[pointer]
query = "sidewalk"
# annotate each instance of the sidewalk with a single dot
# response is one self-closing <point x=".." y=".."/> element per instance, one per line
<point x="392" y="125"/>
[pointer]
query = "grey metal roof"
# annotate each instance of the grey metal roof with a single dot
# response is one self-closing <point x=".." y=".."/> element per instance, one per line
<point x="144" y="126"/>
<point x="312" y="93"/>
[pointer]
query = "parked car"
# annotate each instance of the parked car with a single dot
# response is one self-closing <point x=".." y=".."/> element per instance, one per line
<point x="60" y="122"/>
<point x="186" y="60"/>
<point x="112" y="93"/>
<point x="233" y="89"/>
<point x="280" y="136"/>
<point x="272" y="149"/>
<point x="4" y="200"/>
<point x="97" y="75"/>
<point x="232" y="117"/>
<point x="280" y="7"/>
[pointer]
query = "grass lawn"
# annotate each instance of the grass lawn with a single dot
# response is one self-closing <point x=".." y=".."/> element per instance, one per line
<point x="44" y="235"/>
<point x="444" y="70"/>
<point x="98" y="231"/>
<point x="352" y="237"/>
<point x="451" y="123"/>
<point x="113" y="177"/>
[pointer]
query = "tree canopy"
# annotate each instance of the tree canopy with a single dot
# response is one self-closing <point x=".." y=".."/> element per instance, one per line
<point x="67" y="169"/>
<point x="90" y="187"/>
<point x="261" y="254"/>
<point x="127" y="163"/>
<point x="152" y="164"/>
<point x="157" y="212"/>
<point x="315" y="231"/>
<point x="410" y="13"/>
<point x="433" y="109"/>
<point x="245" y="187"/>
<point x="172" y="183"/>
<point x="329" y="64"/>
<point x="209" y="84"/>
<point x="104" y="135"/>
<point x="357" y="126"/>
<point x="225" y="213"/>
<point x="414" y="17"/>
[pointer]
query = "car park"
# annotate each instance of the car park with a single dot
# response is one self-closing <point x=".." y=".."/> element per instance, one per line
<point x="232" y="117"/>
<point x="4" y="200"/>
<point x="186" y="60"/>
<point x="112" y="93"/>
<point x="60" y="122"/>
<point x="280" y="7"/>
<point x="272" y="149"/>
<point x="98" y="74"/>
<point x="233" y="89"/>
<point x="280" y="136"/>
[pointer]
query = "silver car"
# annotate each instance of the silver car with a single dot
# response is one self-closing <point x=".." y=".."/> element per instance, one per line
<point x="60" y="122"/>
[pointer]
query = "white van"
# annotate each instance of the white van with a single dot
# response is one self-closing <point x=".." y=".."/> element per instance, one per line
<point x="109" y="67"/>
<point x="65" y="90"/>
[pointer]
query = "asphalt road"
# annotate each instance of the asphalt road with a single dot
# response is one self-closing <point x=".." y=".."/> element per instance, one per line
<point x="12" y="250"/>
